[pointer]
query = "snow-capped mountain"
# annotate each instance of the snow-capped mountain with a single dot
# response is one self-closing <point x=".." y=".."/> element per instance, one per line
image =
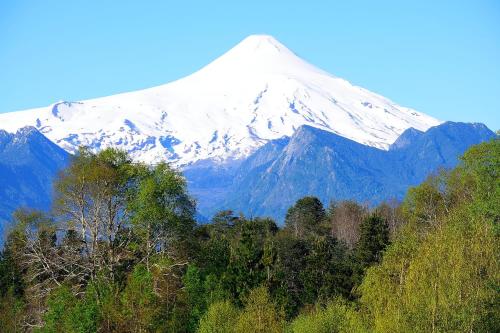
<point x="256" y="92"/>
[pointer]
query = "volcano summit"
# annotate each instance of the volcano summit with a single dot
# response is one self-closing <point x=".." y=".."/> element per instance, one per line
<point x="256" y="92"/>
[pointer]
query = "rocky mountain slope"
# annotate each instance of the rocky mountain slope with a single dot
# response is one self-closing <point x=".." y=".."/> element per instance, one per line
<point x="28" y="164"/>
<point x="331" y="167"/>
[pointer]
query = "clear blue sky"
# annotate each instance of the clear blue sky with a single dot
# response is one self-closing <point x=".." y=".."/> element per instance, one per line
<point x="439" y="57"/>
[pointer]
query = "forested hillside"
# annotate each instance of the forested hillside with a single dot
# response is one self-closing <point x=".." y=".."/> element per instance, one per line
<point x="120" y="252"/>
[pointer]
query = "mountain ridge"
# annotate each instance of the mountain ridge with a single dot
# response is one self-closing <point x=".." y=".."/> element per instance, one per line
<point x="311" y="162"/>
<point x="323" y="164"/>
<point x="29" y="162"/>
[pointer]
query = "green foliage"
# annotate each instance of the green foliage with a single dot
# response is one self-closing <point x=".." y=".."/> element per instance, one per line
<point x="138" y="301"/>
<point x="327" y="271"/>
<point x="480" y="178"/>
<point x="12" y="309"/>
<point x="286" y="283"/>
<point x="195" y="290"/>
<point x="246" y="269"/>
<point x="162" y="211"/>
<point x="337" y="317"/>
<point x="442" y="272"/>
<point x="221" y="317"/>
<point x="215" y="255"/>
<point x="445" y="282"/>
<point x="121" y="253"/>
<point x="305" y="217"/>
<point x="11" y="278"/>
<point x="66" y="313"/>
<point x="260" y="314"/>
<point x="374" y="238"/>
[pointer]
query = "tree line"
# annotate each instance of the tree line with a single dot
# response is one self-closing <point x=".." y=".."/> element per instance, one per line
<point x="121" y="252"/>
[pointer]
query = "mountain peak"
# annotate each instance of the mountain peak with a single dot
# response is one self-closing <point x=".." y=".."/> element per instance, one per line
<point x="257" y="54"/>
<point x="262" y="43"/>
<point x="27" y="131"/>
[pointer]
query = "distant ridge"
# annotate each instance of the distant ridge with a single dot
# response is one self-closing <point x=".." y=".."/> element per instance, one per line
<point x="319" y="163"/>
<point x="29" y="163"/>
<point x="311" y="162"/>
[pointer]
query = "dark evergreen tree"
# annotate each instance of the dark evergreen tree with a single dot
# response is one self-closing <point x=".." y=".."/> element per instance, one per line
<point x="374" y="238"/>
<point x="286" y="286"/>
<point x="327" y="272"/>
<point x="305" y="217"/>
<point x="246" y="268"/>
<point x="11" y="274"/>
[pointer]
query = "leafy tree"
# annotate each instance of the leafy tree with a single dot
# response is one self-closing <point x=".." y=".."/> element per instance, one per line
<point x="86" y="316"/>
<point x="305" y="217"/>
<point x="138" y="301"/>
<point x="162" y="212"/>
<point x="427" y="203"/>
<point x="224" y="221"/>
<point x="195" y="290"/>
<point x="479" y="177"/>
<point x="442" y="272"/>
<point x="67" y="313"/>
<point x="260" y="314"/>
<point x="246" y="269"/>
<point x="221" y="317"/>
<point x="287" y="284"/>
<point x="91" y="201"/>
<point x="11" y="273"/>
<point x="172" y="303"/>
<point x="121" y="253"/>
<point x="337" y="317"/>
<point x="12" y="311"/>
<point x="214" y="255"/>
<point x="59" y="304"/>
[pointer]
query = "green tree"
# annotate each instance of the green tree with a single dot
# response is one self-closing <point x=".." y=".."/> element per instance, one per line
<point x="246" y="269"/>
<point x="138" y="301"/>
<point x="66" y="313"/>
<point x="442" y="272"/>
<point x="11" y="273"/>
<point x="90" y="200"/>
<point x="305" y="217"/>
<point x="337" y="317"/>
<point x="162" y="212"/>
<point x="195" y="289"/>
<point x="327" y="272"/>
<point x="12" y="311"/>
<point x="374" y="238"/>
<point x="221" y="317"/>
<point x="59" y="306"/>
<point x="224" y="221"/>
<point x="260" y="314"/>
<point x="287" y="284"/>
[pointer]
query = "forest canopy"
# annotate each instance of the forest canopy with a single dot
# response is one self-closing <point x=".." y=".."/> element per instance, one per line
<point x="121" y="252"/>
